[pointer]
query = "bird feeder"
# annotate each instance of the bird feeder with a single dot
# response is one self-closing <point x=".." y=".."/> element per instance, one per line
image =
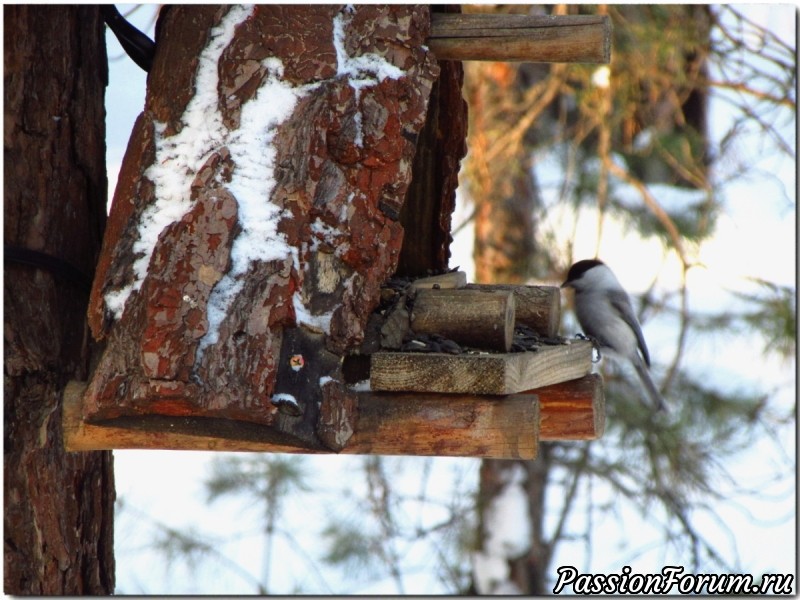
<point x="247" y="296"/>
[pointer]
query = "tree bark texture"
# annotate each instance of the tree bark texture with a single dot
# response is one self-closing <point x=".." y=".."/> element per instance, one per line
<point x="354" y="84"/>
<point x="502" y="188"/>
<point x="431" y="198"/>
<point x="58" y="521"/>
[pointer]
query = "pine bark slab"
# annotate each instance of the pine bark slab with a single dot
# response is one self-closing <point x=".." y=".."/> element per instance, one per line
<point x="342" y="164"/>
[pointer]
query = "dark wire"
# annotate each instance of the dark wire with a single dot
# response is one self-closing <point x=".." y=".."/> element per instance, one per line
<point x="136" y="44"/>
<point x="40" y="260"/>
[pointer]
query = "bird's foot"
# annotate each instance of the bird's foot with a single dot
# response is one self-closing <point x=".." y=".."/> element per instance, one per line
<point x="595" y="345"/>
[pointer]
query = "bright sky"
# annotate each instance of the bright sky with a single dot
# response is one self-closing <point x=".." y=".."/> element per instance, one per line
<point x="756" y="238"/>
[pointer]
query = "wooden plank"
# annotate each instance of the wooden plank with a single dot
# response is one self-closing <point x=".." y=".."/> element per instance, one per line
<point x="80" y="436"/>
<point x="418" y="424"/>
<point x="537" y="306"/>
<point x="488" y="25"/>
<point x="572" y="410"/>
<point x="476" y="318"/>
<point x="407" y="424"/>
<point x="498" y="374"/>
<point x="557" y="38"/>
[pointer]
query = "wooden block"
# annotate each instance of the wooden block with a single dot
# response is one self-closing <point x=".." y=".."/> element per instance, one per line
<point x="572" y="410"/>
<point x="477" y="318"/>
<point x="537" y="306"/>
<point x="480" y="373"/>
<point x="567" y="38"/>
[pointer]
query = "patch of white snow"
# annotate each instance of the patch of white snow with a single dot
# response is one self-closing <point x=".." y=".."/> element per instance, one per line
<point x="507" y="535"/>
<point x="278" y="398"/>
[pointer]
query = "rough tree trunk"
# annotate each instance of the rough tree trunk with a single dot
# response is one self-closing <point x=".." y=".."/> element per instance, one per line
<point x="58" y="506"/>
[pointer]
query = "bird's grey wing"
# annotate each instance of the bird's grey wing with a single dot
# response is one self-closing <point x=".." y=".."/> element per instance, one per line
<point x="622" y="304"/>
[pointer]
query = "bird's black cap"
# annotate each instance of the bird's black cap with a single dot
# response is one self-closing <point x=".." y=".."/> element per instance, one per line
<point x="579" y="268"/>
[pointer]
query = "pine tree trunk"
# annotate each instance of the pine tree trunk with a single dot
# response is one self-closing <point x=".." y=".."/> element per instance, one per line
<point x="502" y="187"/>
<point x="58" y="506"/>
<point x="505" y="195"/>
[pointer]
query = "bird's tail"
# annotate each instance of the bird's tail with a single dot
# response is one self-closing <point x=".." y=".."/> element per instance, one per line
<point x="652" y="391"/>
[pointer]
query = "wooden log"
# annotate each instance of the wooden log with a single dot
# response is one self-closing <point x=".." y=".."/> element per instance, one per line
<point x="537" y="306"/>
<point x="551" y="39"/>
<point x="445" y="281"/>
<point x="572" y="410"/>
<point x="167" y="332"/>
<point x="498" y="374"/>
<point x="475" y="318"/>
<point x="446" y="425"/>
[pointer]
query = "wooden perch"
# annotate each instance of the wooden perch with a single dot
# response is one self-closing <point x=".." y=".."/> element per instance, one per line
<point x="480" y="373"/>
<point x="476" y="318"/>
<point x="475" y="315"/>
<point x="551" y="39"/>
<point x="397" y="423"/>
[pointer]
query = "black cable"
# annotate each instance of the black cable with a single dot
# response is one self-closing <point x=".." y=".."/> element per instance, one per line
<point x="40" y="260"/>
<point x="136" y="44"/>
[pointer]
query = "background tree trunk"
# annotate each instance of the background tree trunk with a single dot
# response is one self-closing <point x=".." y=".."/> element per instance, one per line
<point x="506" y="196"/>
<point x="503" y="189"/>
<point x="58" y="506"/>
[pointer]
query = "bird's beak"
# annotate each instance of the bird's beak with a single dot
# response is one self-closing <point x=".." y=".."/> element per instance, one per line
<point x="565" y="284"/>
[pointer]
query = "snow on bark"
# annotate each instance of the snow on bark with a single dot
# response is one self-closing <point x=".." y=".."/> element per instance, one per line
<point x="179" y="157"/>
<point x="259" y="192"/>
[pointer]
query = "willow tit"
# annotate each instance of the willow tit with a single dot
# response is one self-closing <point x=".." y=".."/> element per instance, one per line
<point x="605" y="313"/>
